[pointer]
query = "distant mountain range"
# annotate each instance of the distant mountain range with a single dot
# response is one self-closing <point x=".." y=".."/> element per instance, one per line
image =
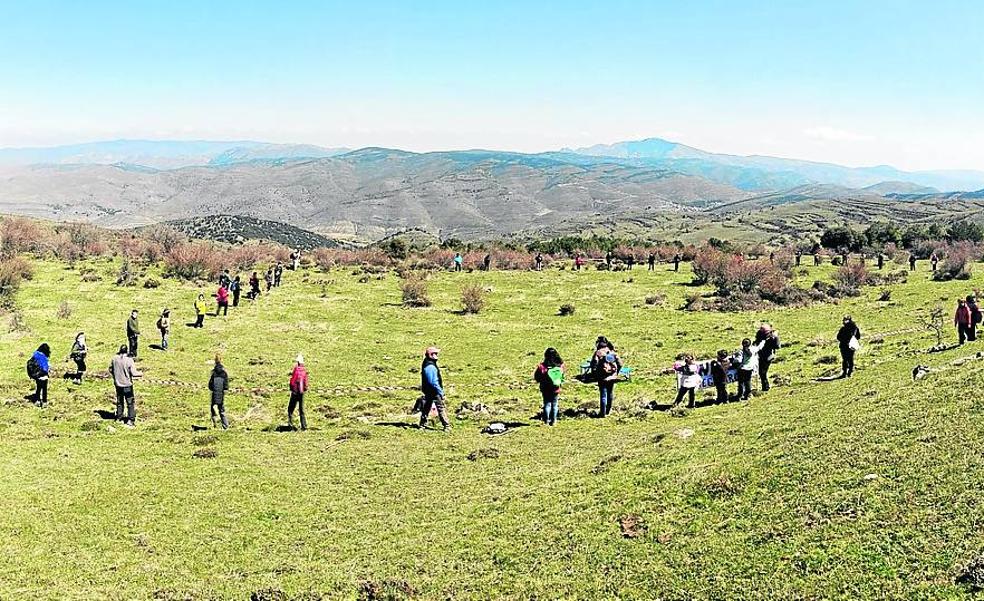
<point x="368" y="194"/>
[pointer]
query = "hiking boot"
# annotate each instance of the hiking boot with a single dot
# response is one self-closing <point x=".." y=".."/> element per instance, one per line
<point x="129" y="424"/>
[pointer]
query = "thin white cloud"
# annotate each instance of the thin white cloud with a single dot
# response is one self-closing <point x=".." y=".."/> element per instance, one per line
<point x="833" y="134"/>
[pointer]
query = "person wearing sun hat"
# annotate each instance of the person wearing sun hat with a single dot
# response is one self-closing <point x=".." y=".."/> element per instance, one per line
<point x="298" y="386"/>
<point x="432" y="387"/>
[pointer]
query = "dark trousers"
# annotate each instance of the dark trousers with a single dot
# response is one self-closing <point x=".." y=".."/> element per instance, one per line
<point x="200" y="321"/>
<point x="764" y="373"/>
<point x="218" y="409"/>
<point x="296" y="401"/>
<point x="652" y="267"/>
<point x="972" y="332"/>
<point x="132" y="346"/>
<point x="442" y="412"/>
<point x="223" y="308"/>
<point x="963" y="331"/>
<point x="80" y="368"/>
<point x="722" y="393"/>
<point x="124" y="396"/>
<point x="235" y="298"/>
<point x="606" y="394"/>
<point x="847" y="361"/>
<point x="744" y="383"/>
<point x="676" y="267"/>
<point x="685" y="391"/>
<point x="41" y="392"/>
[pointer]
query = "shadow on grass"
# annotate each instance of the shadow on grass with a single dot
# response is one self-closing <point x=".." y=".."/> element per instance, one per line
<point x="156" y="347"/>
<point x="105" y="414"/>
<point x="402" y="425"/>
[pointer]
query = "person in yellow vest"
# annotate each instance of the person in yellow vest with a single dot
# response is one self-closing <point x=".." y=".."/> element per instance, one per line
<point x="201" y="307"/>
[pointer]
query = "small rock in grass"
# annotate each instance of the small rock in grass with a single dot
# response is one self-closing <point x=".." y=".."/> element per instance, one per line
<point x="632" y="525"/>
<point x="684" y="433"/>
<point x="205" y="453"/>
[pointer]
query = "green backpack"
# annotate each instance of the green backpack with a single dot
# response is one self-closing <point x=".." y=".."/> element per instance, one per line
<point x="556" y="376"/>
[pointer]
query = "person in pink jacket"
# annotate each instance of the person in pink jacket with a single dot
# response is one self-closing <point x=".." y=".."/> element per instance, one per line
<point x="963" y="319"/>
<point x="222" y="300"/>
<point x="298" y="386"/>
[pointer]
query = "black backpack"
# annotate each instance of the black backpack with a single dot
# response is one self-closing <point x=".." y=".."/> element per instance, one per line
<point x="33" y="369"/>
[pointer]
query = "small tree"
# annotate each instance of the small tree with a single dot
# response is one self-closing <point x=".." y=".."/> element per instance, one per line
<point x="414" y="290"/>
<point x="934" y="321"/>
<point x="472" y="298"/>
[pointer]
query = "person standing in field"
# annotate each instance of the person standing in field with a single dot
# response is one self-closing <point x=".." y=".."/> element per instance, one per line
<point x="296" y="263"/>
<point x="963" y="319"/>
<point x="935" y="261"/>
<point x="605" y="365"/>
<point x="432" y="388"/>
<point x="817" y="259"/>
<point x="268" y="278"/>
<point x="224" y="279"/>
<point x="298" y="386"/>
<point x="912" y="261"/>
<point x="235" y="287"/>
<point x="652" y="261"/>
<point x="38" y="368"/>
<point x="676" y="262"/>
<point x="609" y="259"/>
<point x="222" y="301"/>
<point x="975" y="317"/>
<point x="254" y="286"/>
<point x="881" y="260"/>
<point x="123" y="371"/>
<point x="458" y="260"/>
<point x="278" y="273"/>
<point x="487" y="262"/>
<point x="78" y="354"/>
<point x="164" y="327"/>
<point x="578" y="262"/>
<point x="849" y="340"/>
<point x="690" y="379"/>
<point x="550" y="376"/>
<point x="767" y="341"/>
<point x="218" y="384"/>
<point x="719" y="373"/>
<point x="538" y="262"/>
<point x="799" y="258"/>
<point x="132" y="334"/>
<point x="746" y="368"/>
<point x="201" y="308"/>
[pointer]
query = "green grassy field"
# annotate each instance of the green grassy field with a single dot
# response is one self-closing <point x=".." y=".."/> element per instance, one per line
<point x="867" y="488"/>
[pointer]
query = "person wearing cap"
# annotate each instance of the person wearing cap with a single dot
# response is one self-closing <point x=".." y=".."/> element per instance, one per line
<point x="123" y="372"/>
<point x="298" y="386"/>
<point x="132" y="334"/>
<point x="432" y="387"/>
<point x="218" y="384"/>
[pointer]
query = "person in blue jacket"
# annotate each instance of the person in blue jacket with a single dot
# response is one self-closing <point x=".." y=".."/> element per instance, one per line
<point x="432" y="387"/>
<point x="37" y="369"/>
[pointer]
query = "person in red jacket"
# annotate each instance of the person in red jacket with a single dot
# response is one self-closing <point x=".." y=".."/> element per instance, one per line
<point x="222" y="300"/>
<point x="963" y="319"/>
<point x="298" y="386"/>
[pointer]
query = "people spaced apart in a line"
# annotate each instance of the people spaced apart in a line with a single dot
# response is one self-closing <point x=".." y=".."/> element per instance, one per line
<point x="124" y="372"/>
<point x="432" y="389"/>
<point x="254" y="287"/>
<point x="133" y="333"/>
<point x="38" y="368"/>
<point x="849" y="341"/>
<point x="78" y="353"/>
<point x="235" y="287"/>
<point x="218" y="384"/>
<point x="298" y="386"/>
<point x="549" y="375"/>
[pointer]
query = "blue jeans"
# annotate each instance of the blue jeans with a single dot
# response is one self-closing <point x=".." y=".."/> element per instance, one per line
<point x="550" y="407"/>
<point x="607" y="393"/>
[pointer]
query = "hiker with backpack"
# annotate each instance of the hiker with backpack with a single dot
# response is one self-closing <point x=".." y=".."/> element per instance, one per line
<point x="78" y="353"/>
<point x="132" y="333"/>
<point x="235" y="287"/>
<point x="222" y="301"/>
<point x="767" y="340"/>
<point x="747" y="366"/>
<point x="201" y="308"/>
<point x="849" y="340"/>
<point x="719" y="373"/>
<point x="550" y="376"/>
<point x="124" y="372"/>
<point x="218" y="384"/>
<point x="975" y="317"/>
<point x="605" y="366"/>
<point x="38" y="367"/>
<point x="164" y="327"/>
<point x="298" y="386"/>
<point x="963" y="320"/>
<point x="688" y="379"/>
<point x="432" y="388"/>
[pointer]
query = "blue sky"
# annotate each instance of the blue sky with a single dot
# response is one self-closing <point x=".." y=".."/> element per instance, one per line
<point x="857" y="83"/>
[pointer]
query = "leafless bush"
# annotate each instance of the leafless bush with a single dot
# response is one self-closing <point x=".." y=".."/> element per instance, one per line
<point x="472" y="298"/>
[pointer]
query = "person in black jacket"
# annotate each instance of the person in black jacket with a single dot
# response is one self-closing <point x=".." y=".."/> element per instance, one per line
<point x="218" y="384"/>
<point x="768" y="341"/>
<point x="132" y="334"/>
<point x="235" y="287"/>
<point x="848" y="331"/>
<point x="719" y="373"/>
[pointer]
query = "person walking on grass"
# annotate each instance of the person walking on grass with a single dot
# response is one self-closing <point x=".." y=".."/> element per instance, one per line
<point x="676" y="262"/>
<point x="688" y="380"/>
<point x="975" y="317"/>
<point x="550" y="376"/>
<point x="132" y="334"/>
<point x="432" y="388"/>
<point x="652" y="261"/>
<point x="298" y="386"/>
<point x="767" y="340"/>
<point x="164" y="327"/>
<point x="201" y="308"/>
<point x="719" y="373"/>
<point x="218" y="384"/>
<point x="222" y="301"/>
<point x="78" y="353"/>
<point x="487" y="262"/>
<point x="254" y="287"/>
<point x="963" y="319"/>
<point x="235" y="287"/>
<point x="912" y="261"/>
<point x="747" y="368"/>
<point x="881" y="260"/>
<point x="268" y="279"/>
<point x="278" y="273"/>
<point x="458" y="260"/>
<point x="605" y="365"/>
<point x="538" y="262"/>
<point x="849" y="340"/>
<point x="817" y="259"/>
<point x="38" y="367"/>
<point x="124" y="372"/>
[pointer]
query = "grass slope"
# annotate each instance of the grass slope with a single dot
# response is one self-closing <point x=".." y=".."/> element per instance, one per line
<point x="772" y="498"/>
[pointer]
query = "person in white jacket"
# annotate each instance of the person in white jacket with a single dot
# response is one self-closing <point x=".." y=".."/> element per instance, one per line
<point x="747" y="367"/>
<point x="690" y="379"/>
